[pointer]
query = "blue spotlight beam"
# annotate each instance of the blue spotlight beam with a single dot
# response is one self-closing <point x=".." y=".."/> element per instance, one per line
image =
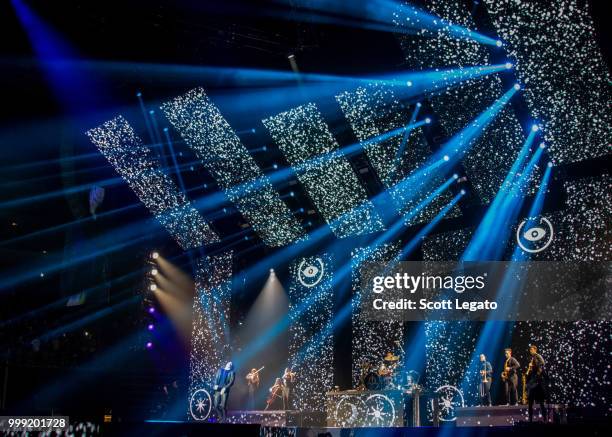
<point x="389" y="15"/>
<point x="208" y="134"/>
<point x="125" y="151"/>
<point x="302" y="135"/>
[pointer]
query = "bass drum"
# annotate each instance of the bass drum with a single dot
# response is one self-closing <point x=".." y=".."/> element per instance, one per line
<point x="372" y="381"/>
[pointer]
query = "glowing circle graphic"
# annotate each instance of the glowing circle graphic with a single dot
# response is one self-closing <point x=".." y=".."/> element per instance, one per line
<point x="538" y="235"/>
<point x="380" y="411"/>
<point x="450" y="398"/>
<point x="200" y="404"/>
<point x="311" y="273"/>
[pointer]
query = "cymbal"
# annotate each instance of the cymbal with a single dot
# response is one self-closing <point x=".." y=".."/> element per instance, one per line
<point x="391" y="357"/>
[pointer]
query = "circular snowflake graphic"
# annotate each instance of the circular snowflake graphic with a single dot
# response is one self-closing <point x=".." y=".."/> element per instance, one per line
<point x="450" y="398"/>
<point x="200" y="404"/>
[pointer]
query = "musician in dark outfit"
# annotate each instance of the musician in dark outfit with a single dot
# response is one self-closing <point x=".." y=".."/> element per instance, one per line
<point x="288" y="382"/>
<point x="536" y="382"/>
<point x="510" y="377"/>
<point x="486" y="374"/>
<point x="224" y="379"/>
<point x="276" y="399"/>
<point x="253" y="384"/>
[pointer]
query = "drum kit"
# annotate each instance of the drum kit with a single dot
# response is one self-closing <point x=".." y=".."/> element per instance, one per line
<point x="384" y="376"/>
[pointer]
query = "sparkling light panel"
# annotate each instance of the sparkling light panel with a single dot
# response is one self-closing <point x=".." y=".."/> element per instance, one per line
<point x="567" y="79"/>
<point x="135" y="162"/>
<point x="305" y="139"/>
<point x="311" y="348"/>
<point x="371" y="339"/>
<point x="449" y="345"/>
<point x="375" y="110"/>
<point x="210" y="342"/>
<point x="492" y="154"/>
<point x="206" y="131"/>
<point x="577" y="353"/>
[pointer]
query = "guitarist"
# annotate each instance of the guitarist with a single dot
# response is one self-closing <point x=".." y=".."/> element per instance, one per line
<point x="536" y="382"/>
<point x="510" y="377"/>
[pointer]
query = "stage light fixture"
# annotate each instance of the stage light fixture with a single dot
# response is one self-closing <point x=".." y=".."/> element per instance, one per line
<point x="138" y="94"/>
<point x="149" y="345"/>
<point x="275" y="166"/>
<point x="462" y="192"/>
<point x="154" y="272"/>
<point x="535" y="128"/>
<point x="455" y="176"/>
<point x="271" y="271"/>
<point x="498" y="43"/>
<point x="292" y="194"/>
<point x="446" y="157"/>
<point x="155" y="255"/>
<point x="151" y="310"/>
<point x="509" y="65"/>
<point x="409" y="83"/>
<point x="153" y="287"/>
<point x="428" y="120"/>
<point x="550" y="164"/>
<point x="517" y="86"/>
<point x="542" y="145"/>
<point x="151" y="327"/>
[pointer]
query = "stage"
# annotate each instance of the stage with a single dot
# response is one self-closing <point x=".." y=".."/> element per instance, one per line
<point x="194" y="428"/>
<point x="508" y="415"/>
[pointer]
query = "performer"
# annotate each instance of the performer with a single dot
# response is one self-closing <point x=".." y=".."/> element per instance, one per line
<point x="486" y="375"/>
<point x="224" y="379"/>
<point x="536" y="382"/>
<point x="510" y="377"/>
<point x="288" y="382"/>
<point x="253" y="384"/>
<point x="276" y="399"/>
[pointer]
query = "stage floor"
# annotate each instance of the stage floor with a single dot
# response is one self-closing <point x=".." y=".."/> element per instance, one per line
<point x="508" y="415"/>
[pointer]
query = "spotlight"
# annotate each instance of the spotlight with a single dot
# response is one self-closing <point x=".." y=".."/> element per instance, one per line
<point x="462" y="192"/>
<point x="42" y="275"/>
<point x="151" y="112"/>
<point x="498" y="43"/>
<point x="165" y="129"/>
<point x="246" y="238"/>
<point x="517" y="86"/>
<point x="155" y="255"/>
<point x="151" y="327"/>
<point x="446" y="157"/>
<point x="154" y="272"/>
<point x="535" y="128"/>
<point x="509" y="65"/>
<point x="271" y="271"/>
<point x="542" y="145"/>
<point x="149" y="345"/>
<point x="253" y="130"/>
<point x="275" y="166"/>
<point x="550" y="164"/>
<point x="264" y="148"/>
<point x="153" y="287"/>
<point x="419" y="104"/>
<point x="151" y="310"/>
<point x="138" y="94"/>
<point x="428" y="120"/>
<point x="292" y="194"/>
<point x="455" y="176"/>
<point x="409" y="83"/>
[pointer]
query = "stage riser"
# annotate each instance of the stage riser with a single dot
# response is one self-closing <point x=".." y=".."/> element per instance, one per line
<point x="507" y="415"/>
